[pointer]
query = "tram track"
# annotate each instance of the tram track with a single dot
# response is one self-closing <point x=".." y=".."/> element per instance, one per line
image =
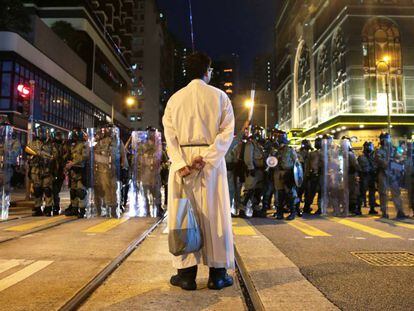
<point x="248" y="292"/>
<point x="85" y="292"/>
<point x="37" y="230"/>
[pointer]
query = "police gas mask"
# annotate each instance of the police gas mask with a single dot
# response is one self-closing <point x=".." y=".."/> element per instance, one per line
<point x="385" y="139"/>
<point x="283" y="139"/>
<point x="368" y="147"/>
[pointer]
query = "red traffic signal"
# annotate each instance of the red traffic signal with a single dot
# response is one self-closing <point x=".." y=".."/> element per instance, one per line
<point x="24" y="91"/>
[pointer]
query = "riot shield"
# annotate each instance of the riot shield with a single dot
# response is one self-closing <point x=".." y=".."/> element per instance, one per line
<point x="145" y="190"/>
<point x="335" y="182"/>
<point x="91" y="210"/>
<point x="409" y="177"/>
<point x="7" y="158"/>
<point x="107" y="172"/>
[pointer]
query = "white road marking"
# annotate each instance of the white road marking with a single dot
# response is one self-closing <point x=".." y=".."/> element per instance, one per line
<point x="360" y="238"/>
<point x="308" y="237"/>
<point x="8" y="264"/>
<point x="23" y="274"/>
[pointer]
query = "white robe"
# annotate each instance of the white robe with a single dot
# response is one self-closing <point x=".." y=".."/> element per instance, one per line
<point x="202" y="114"/>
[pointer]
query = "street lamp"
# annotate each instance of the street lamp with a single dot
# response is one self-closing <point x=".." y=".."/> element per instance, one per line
<point x="250" y="105"/>
<point x="385" y="64"/>
<point x="129" y="101"/>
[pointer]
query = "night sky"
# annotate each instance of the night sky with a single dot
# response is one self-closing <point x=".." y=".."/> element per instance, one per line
<point x="223" y="27"/>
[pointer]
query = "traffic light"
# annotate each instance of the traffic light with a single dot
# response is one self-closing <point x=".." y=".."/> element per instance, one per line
<point x="23" y="100"/>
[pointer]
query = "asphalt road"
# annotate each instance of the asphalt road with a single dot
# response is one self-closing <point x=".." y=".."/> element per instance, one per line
<point x="321" y="248"/>
<point x="41" y="270"/>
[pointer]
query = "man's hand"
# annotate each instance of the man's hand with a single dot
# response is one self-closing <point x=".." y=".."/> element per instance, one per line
<point x="198" y="163"/>
<point x="185" y="171"/>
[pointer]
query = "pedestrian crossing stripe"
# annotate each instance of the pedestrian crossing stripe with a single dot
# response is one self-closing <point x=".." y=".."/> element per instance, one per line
<point x="307" y="229"/>
<point x="398" y="223"/>
<point x="21" y="274"/>
<point x="364" y="228"/>
<point x="106" y="225"/>
<point x="243" y="228"/>
<point x="35" y="224"/>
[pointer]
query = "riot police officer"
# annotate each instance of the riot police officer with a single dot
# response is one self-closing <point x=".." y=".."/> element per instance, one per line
<point x="367" y="176"/>
<point x="254" y="161"/>
<point x="76" y="168"/>
<point x="388" y="176"/>
<point x="284" y="178"/>
<point x="42" y="167"/>
<point x="62" y="150"/>
<point x="353" y="179"/>
<point x="303" y="156"/>
<point x="313" y="177"/>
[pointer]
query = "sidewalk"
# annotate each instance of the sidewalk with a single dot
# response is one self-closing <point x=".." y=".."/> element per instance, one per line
<point x="276" y="280"/>
<point x="142" y="283"/>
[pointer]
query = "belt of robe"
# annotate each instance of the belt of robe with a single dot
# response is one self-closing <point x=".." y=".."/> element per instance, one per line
<point x="194" y="145"/>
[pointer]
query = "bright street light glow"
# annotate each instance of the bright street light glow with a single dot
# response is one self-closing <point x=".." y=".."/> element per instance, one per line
<point x="130" y="101"/>
<point x="249" y="103"/>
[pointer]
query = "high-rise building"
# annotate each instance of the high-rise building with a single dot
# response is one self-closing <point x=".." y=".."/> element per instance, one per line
<point x="76" y="54"/>
<point x="342" y="64"/>
<point x="152" y="59"/>
<point x="263" y="72"/>
<point x="226" y="74"/>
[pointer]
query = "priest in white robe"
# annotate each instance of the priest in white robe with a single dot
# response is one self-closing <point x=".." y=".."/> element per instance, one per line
<point x="199" y="127"/>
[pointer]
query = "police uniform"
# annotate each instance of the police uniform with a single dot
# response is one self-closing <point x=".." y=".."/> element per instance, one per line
<point x="313" y="178"/>
<point x="63" y="152"/>
<point x="77" y="176"/>
<point x="42" y="168"/>
<point x="387" y="178"/>
<point x="231" y="161"/>
<point x="284" y="181"/>
<point x="353" y="183"/>
<point x="367" y="179"/>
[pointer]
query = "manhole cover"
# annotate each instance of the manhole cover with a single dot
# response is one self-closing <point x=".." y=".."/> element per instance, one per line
<point x="386" y="259"/>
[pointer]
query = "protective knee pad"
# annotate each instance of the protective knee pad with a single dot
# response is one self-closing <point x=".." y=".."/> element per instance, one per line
<point x="48" y="192"/>
<point x="37" y="192"/>
<point x="81" y="193"/>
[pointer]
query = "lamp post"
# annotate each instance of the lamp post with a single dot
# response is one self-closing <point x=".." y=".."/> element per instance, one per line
<point x="250" y="104"/>
<point x="385" y="62"/>
<point x="129" y="101"/>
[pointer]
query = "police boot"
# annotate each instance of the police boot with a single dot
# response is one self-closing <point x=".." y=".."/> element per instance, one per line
<point x="357" y="210"/>
<point x="160" y="211"/>
<point x="401" y="215"/>
<point x="48" y="211"/>
<point x="56" y="211"/>
<point x="185" y="278"/>
<point x="307" y="210"/>
<point x="372" y="211"/>
<point x="292" y="214"/>
<point x="37" y="211"/>
<point x="71" y="211"/>
<point x="385" y="215"/>
<point x="219" y="279"/>
<point x="82" y="212"/>
<point x="279" y="213"/>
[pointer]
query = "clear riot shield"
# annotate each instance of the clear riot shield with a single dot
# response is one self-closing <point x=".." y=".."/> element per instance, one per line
<point x="335" y="182"/>
<point x="91" y="210"/>
<point x="107" y="172"/>
<point x="7" y="158"/>
<point x="409" y="177"/>
<point x="145" y="190"/>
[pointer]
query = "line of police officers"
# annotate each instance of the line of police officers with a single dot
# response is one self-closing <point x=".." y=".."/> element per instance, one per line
<point x="97" y="165"/>
<point x="262" y="170"/>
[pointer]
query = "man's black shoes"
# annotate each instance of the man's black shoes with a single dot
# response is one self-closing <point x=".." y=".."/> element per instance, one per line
<point x="219" y="279"/>
<point x="185" y="278"/>
<point x="176" y="280"/>
<point x="221" y="283"/>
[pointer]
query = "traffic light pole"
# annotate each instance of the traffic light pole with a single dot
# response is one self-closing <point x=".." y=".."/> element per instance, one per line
<point x="30" y="134"/>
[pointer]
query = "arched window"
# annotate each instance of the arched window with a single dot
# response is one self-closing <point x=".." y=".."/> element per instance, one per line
<point x="304" y="88"/>
<point x="382" y="42"/>
<point x="339" y="88"/>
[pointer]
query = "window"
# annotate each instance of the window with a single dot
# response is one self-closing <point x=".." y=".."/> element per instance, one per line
<point x="304" y="89"/>
<point x="339" y="76"/>
<point x="381" y="41"/>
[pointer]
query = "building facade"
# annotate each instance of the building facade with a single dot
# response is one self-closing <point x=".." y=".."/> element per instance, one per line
<point x="341" y="64"/>
<point x="77" y="56"/>
<point x="153" y="63"/>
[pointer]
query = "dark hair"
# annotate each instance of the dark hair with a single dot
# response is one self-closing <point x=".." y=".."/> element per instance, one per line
<point x="197" y="65"/>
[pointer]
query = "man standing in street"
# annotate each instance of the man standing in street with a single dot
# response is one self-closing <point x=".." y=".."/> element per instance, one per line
<point x="199" y="129"/>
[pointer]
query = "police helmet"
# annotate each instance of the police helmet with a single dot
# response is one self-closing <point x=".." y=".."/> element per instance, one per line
<point x="306" y="144"/>
<point x="318" y="143"/>
<point x="368" y="147"/>
<point x="283" y="138"/>
<point x="384" y="137"/>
